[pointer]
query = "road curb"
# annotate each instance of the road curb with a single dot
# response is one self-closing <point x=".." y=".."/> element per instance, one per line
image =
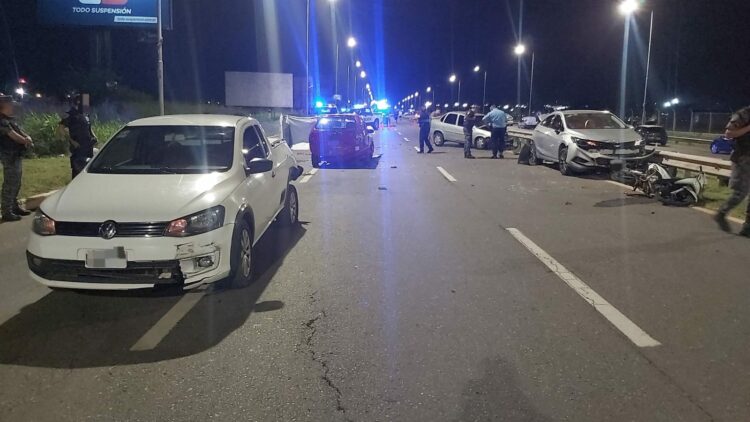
<point x="33" y="202"/>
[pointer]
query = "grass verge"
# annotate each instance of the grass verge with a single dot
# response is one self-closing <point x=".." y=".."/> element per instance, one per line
<point x="41" y="175"/>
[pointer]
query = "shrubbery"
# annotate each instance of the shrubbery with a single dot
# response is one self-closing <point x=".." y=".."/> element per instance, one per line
<point x="42" y="127"/>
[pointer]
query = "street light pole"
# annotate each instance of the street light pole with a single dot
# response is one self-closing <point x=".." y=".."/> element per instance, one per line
<point x="648" y="68"/>
<point x="624" y="68"/>
<point x="531" y="81"/>
<point x="459" y="91"/>
<point x="336" y="82"/>
<point x="160" y="56"/>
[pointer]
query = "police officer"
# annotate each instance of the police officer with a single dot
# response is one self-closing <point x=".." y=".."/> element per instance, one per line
<point x="469" y="121"/>
<point x="424" y="130"/>
<point x="498" y="121"/>
<point x="13" y="142"/>
<point x="82" y="138"/>
<point x="739" y="130"/>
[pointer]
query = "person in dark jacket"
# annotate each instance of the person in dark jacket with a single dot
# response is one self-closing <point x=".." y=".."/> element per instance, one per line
<point x="82" y="139"/>
<point x="424" y="130"/>
<point x="739" y="130"/>
<point x="13" y="142"/>
<point x="469" y="122"/>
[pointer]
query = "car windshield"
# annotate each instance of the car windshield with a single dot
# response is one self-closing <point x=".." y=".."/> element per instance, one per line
<point x="363" y="111"/>
<point x="580" y="121"/>
<point x="167" y="149"/>
<point x="331" y="123"/>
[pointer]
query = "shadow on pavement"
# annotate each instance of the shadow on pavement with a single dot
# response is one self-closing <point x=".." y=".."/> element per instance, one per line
<point x="628" y="200"/>
<point x="498" y="396"/>
<point x="71" y="330"/>
<point x="351" y="165"/>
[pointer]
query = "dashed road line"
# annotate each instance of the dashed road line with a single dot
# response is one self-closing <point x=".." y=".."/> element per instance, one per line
<point x="306" y="178"/>
<point x="639" y="337"/>
<point x="159" y="331"/>
<point x="446" y="175"/>
<point x="407" y="140"/>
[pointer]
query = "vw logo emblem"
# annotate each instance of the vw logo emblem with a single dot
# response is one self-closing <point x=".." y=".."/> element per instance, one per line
<point x="108" y="230"/>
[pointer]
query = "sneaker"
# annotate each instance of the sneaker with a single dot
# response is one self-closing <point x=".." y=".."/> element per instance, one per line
<point x="470" y="157"/>
<point x="721" y="220"/>
<point x="420" y="152"/>
<point x="500" y="156"/>
<point x="11" y="217"/>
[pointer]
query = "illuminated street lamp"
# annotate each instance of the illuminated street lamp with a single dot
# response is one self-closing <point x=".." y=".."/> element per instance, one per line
<point x="358" y="64"/>
<point x="351" y="42"/>
<point x="453" y="78"/>
<point x="628" y="7"/>
<point x="519" y="50"/>
<point x="429" y="89"/>
<point x="362" y="74"/>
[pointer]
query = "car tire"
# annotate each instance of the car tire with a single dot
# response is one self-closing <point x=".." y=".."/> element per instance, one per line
<point x="534" y="159"/>
<point x="242" y="259"/>
<point x="438" y="139"/>
<point x="289" y="216"/>
<point x="480" y="143"/>
<point x="315" y="161"/>
<point x="562" y="162"/>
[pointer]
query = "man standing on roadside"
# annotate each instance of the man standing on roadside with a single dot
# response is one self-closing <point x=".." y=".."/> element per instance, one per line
<point x="469" y="121"/>
<point x="424" y="130"/>
<point x="82" y="139"/>
<point x="739" y="130"/>
<point x="498" y="121"/>
<point x="13" y="142"/>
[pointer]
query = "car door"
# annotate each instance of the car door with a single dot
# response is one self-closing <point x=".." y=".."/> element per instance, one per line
<point x="449" y="126"/>
<point x="460" y="128"/>
<point x="281" y="165"/>
<point x="260" y="189"/>
<point x="545" y="137"/>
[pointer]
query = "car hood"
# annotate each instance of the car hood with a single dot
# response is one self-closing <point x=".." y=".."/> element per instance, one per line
<point x="138" y="198"/>
<point x="604" y="135"/>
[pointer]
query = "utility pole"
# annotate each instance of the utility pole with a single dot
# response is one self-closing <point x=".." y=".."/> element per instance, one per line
<point x="648" y="68"/>
<point x="160" y="55"/>
<point x="531" y="81"/>
<point x="520" y="40"/>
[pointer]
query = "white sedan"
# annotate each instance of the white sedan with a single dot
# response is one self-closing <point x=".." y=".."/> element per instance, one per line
<point x="175" y="200"/>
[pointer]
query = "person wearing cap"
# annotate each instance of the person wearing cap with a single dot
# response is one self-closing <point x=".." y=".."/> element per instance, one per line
<point x="13" y="142"/>
<point x="82" y="139"/>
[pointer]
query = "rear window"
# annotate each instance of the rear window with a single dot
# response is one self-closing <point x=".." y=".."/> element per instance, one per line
<point x="652" y="130"/>
<point x="332" y="123"/>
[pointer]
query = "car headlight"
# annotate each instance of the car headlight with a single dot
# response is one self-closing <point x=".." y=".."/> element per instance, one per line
<point x="639" y="142"/>
<point x="43" y="225"/>
<point x="586" y="144"/>
<point x="198" y="223"/>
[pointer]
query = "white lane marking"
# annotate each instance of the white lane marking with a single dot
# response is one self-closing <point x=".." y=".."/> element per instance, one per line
<point x="407" y="140"/>
<point x="156" y="334"/>
<point x="306" y="178"/>
<point x="712" y="212"/>
<point x="639" y="337"/>
<point x="398" y="132"/>
<point x="446" y="175"/>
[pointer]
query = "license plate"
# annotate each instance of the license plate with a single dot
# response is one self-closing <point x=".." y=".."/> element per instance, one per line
<point x="114" y="258"/>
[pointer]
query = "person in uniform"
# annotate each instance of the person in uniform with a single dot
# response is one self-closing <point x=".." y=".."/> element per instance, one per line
<point x="424" y="130"/>
<point x="13" y="142"/>
<point x="498" y="121"/>
<point x="82" y="139"/>
<point x="739" y="130"/>
<point x="469" y="121"/>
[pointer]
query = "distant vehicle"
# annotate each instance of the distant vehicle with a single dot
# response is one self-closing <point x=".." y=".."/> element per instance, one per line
<point x="342" y="137"/>
<point x="178" y="200"/>
<point x="722" y="145"/>
<point x="450" y="128"/>
<point x="331" y="109"/>
<point x="580" y="140"/>
<point x="370" y="118"/>
<point x="653" y="134"/>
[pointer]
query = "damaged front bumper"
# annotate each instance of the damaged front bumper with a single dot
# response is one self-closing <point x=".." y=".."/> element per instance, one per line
<point x="60" y="261"/>
<point x="585" y="160"/>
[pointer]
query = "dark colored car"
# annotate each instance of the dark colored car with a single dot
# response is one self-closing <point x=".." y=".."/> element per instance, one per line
<point x="653" y="134"/>
<point x="722" y="145"/>
<point x="341" y="137"/>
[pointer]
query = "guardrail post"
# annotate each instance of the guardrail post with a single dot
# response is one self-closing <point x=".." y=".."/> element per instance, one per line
<point x="692" y="120"/>
<point x="710" y="122"/>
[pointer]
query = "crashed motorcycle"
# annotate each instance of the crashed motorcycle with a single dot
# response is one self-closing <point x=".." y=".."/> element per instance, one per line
<point x="657" y="181"/>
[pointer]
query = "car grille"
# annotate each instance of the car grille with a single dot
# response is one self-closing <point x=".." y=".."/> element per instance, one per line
<point x="123" y="229"/>
<point x="153" y="272"/>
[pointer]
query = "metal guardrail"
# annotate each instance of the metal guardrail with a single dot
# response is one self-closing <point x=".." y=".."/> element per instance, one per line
<point x="712" y="166"/>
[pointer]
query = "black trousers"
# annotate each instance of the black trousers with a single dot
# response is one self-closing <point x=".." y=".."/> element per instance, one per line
<point x="498" y="141"/>
<point x="424" y="138"/>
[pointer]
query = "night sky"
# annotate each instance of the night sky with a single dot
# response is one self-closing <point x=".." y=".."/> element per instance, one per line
<point x="700" y="51"/>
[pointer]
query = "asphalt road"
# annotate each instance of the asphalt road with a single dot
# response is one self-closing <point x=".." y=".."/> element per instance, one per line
<point x="423" y="288"/>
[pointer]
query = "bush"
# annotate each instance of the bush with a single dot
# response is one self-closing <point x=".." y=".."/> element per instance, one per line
<point x="42" y="127"/>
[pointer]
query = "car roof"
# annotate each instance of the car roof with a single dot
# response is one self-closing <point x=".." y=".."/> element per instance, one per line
<point x="583" y="111"/>
<point x="192" y="120"/>
<point x="349" y="115"/>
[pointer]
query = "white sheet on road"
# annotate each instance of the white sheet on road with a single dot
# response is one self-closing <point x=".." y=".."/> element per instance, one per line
<point x="297" y="129"/>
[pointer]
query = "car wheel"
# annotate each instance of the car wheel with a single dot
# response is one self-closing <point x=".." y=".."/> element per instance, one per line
<point x="562" y="164"/>
<point x="715" y="149"/>
<point x="534" y="159"/>
<point x="517" y="146"/>
<point x="289" y="216"/>
<point x="480" y="143"/>
<point x="438" y="139"/>
<point x="242" y="259"/>
<point x="315" y="161"/>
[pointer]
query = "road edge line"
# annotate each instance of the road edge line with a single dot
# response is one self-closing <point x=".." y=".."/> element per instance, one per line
<point x="627" y="327"/>
<point x="446" y="174"/>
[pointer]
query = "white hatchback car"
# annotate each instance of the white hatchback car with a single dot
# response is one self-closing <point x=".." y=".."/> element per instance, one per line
<point x="175" y="200"/>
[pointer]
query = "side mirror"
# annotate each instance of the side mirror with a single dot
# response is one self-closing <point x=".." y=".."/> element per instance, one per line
<point x="370" y="130"/>
<point x="258" y="165"/>
<point x="96" y="151"/>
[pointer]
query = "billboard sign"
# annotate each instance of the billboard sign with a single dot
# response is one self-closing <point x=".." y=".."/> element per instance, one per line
<point x="252" y="89"/>
<point x="113" y="13"/>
